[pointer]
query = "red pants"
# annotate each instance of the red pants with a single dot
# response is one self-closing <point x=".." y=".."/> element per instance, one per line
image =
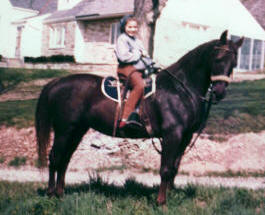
<point x="136" y="82"/>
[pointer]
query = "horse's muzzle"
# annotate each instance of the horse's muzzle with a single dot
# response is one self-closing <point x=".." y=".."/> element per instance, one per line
<point x="219" y="90"/>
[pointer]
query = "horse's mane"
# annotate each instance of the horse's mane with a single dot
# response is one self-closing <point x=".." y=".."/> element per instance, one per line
<point x="194" y="57"/>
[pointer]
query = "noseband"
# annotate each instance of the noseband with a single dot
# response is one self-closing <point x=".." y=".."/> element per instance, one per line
<point x="224" y="78"/>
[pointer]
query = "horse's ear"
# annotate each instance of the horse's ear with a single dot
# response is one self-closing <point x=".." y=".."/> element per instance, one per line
<point x="239" y="42"/>
<point x="223" y="37"/>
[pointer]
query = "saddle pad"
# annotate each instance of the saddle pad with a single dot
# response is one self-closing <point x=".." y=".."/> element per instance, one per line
<point x="110" y="87"/>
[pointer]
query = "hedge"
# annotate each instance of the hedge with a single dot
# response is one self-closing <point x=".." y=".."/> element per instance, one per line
<point x="50" y="59"/>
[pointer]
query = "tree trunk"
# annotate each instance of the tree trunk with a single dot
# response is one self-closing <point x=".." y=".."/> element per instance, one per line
<point x="148" y="11"/>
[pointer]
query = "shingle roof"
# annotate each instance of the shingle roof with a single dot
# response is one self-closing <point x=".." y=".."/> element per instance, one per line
<point x="43" y="6"/>
<point x="257" y="9"/>
<point x="99" y="8"/>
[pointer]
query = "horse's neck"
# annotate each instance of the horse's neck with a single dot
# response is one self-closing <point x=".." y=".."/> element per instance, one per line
<point x="193" y="71"/>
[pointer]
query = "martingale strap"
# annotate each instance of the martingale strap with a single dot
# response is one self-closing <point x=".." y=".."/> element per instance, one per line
<point x="220" y="78"/>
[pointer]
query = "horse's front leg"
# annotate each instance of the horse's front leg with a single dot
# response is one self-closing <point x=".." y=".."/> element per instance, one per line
<point x="171" y="182"/>
<point x="167" y="169"/>
<point x="180" y="152"/>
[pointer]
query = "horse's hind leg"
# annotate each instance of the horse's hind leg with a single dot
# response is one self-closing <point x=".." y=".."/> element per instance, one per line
<point x="54" y="158"/>
<point x="51" y="183"/>
<point x="66" y="151"/>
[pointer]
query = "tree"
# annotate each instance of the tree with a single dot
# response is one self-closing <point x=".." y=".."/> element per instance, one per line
<point x="148" y="11"/>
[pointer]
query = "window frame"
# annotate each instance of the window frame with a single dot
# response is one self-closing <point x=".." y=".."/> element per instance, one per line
<point x="114" y="32"/>
<point x="57" y="37"/>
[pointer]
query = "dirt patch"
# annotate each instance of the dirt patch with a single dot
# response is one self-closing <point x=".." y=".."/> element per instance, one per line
<point x="243" y="152"/>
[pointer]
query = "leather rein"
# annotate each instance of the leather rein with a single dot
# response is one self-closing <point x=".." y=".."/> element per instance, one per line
<point x="204" y="99"/>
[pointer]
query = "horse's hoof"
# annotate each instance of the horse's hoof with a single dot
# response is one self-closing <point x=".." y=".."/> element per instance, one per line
<point x="50" y="193"/>
<point x="161" y="201"/>
<point x="59" y="194"/>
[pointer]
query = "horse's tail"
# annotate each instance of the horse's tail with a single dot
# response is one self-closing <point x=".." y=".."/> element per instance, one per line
<point x="43" y="127"/>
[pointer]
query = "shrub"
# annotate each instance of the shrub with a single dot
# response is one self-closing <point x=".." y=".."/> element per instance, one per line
<point x="50" y="59"/>
<point x="2" y="159"/>
<point x="18" y="161"/>
<point x="1" y="57"/>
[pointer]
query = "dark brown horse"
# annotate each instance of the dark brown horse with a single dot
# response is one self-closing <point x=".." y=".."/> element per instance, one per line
<point x="73" y="104"/>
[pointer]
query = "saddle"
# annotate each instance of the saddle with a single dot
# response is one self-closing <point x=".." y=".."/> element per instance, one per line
<point x="112" y="87"/>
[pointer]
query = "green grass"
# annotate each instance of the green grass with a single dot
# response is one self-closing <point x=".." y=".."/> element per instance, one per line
<point x="133" y="198"/>
<point x="241" y="111"/>
<point x="25" y="75"/>
<point x="18" y="161"/>
<point x="12" y="77"/>
<point x="20" y="113"/>
<point x="17" y="113"/>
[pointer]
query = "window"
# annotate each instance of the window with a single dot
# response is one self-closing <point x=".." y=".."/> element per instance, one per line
<point x="115" y="32"/>
<point x="57" y="37"/>
<point x="257" y="54"/>
<point x="245" y="54"/>
<point x="250" y="55"/>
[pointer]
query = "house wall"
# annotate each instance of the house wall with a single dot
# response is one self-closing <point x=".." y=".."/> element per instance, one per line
<point x="68" y="49"/>
<point x="8" y="31"/>
<point x="31" y="41"/>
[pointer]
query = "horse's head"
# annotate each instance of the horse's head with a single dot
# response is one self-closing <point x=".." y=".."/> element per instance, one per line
<point x="224" y="59"/>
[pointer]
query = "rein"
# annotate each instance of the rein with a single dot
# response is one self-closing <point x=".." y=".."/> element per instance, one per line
<point x="205" y="117"/>
<point x="209" y="101"/>
<point x="204" y="99"/>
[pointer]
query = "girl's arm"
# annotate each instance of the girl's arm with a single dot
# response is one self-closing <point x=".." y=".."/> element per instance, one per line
<point x="126" y="53"/>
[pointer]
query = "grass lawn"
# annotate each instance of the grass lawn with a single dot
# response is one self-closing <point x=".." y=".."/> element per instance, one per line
<point x="14" y="76"/>
<point x="241" y="111"/>
<point x="133" y="198"/>
<point x="20" y="113"/>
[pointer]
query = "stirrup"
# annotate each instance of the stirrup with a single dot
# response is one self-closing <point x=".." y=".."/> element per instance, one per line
<point x="134" y="120"/>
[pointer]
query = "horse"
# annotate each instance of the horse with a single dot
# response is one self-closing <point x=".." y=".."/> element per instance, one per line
<point x="71" y="105"/>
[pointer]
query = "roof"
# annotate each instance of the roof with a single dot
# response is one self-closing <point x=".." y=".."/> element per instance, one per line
<point x="220" y="14"/>
<point x="257" y="9"/>
<point x="94" y="9"/>
<point x="43" y="6"/>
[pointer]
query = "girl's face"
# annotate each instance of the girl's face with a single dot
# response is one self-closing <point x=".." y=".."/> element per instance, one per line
<point x="131" y="28"/>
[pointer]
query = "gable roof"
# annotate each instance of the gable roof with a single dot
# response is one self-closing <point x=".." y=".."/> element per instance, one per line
<point x="94" y="9"/>
<point x="43" y="6"/>
<point x="257" y="9"/>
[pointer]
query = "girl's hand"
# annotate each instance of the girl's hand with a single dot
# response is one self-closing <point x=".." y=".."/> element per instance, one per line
<point x="144" y="53"/>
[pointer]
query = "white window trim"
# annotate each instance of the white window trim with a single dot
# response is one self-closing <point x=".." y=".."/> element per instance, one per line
<point x="114" y="32"/>
<point x="57" y="37"/>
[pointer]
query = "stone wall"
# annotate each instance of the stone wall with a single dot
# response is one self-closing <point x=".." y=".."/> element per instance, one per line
<point x="97" y="41"/>
<point x="99" y="69"/>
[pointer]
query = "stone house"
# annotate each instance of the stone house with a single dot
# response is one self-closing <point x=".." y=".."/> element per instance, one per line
<point x="87" y="29"/>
